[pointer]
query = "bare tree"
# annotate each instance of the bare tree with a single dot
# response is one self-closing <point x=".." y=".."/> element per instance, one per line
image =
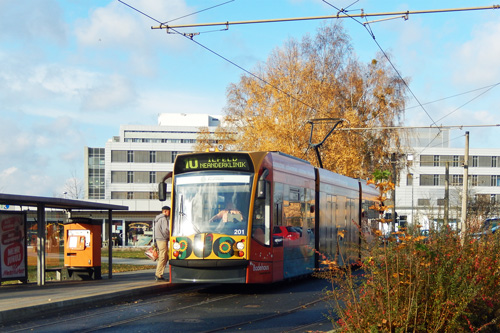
<point x="73" y="188"/>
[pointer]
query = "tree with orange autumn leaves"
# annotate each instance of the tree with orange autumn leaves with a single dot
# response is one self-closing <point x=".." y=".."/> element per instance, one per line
<point x="381" y="180"/>
<point x="318" y="77"/>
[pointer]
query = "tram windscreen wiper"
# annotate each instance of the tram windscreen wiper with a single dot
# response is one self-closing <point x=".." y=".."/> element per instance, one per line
<point x="183" y="216"/>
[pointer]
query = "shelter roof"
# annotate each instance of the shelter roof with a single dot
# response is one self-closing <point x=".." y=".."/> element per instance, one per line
<point x="26" y="200"/>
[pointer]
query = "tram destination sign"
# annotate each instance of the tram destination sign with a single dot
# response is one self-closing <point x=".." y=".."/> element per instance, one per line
<point x="213" y="161"/>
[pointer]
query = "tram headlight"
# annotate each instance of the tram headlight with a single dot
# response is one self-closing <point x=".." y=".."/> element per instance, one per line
<point x="177" y="246"/>
<point x="198" y="244"/>
<point x="240" y="246"/>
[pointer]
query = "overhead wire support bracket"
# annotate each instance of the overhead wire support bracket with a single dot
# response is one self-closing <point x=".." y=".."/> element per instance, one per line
<point x="316" y="146"/>
<point x="337" y="16"/>
<point x="405" y="17"/>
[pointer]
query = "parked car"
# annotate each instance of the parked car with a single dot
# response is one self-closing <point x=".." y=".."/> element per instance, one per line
<point x="286" y="232"/>
<point x="491" y="223"/>
<point x="490" y="226"/>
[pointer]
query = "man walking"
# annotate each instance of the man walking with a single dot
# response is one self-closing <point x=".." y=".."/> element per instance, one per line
<point x="162" y="236"/>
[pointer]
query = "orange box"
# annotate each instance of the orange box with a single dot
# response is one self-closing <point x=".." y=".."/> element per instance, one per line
<point x="82" y="245"/>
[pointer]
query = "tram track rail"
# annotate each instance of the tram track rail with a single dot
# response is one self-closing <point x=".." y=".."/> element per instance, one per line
<point x="187" y="308"/>
<point x="115" y="308"/>
<point x="265" y="318"/>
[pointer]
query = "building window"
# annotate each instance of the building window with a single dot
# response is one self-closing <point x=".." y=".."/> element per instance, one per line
<point x="118" y="195"/>
<point x="424" y="202"/>
<point x="130" y="177"/>
<point x="455" y="161"/>
<point x="473" y="180"/>
<point x="440" y="202"/>
<point x="152" y="177"/>
<point x="96" y="162"/>
<point x="174" y="155"/>
<point x="130" y="195"/>
<point x="457" y="180"/>
<point x="130" y="156"/>
<point x="426" y="160"/>
<point x="426" y="180"/>
<point x="436" y="180"/>
<point x="118" y="177"/>
<point x="474" y="161"/>
<point x="152" y="157"/>
<point x="493" y="161"/>
<point x="118" y="156"/>
<point x="495" y="181"/>
<point x="436" y="160"/>
<point x="493" y="198"/>
<point x="409" y="179"/>
<point x="152" y="196"/>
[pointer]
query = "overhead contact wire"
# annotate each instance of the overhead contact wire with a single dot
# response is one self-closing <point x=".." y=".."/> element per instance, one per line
<point x="368" y="29"/>
<point x="224" y="58"/>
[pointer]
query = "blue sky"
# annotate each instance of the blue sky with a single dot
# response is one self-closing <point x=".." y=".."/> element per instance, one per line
<point x="73" y="71"/>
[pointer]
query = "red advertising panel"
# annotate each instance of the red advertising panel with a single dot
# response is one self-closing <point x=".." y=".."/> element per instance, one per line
<point x="13" y="246"/>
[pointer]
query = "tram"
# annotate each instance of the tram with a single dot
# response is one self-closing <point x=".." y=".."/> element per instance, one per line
<point x="260" y="217"/>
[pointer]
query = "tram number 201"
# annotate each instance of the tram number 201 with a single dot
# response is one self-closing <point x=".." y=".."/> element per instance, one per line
<point x="239" y="231"/>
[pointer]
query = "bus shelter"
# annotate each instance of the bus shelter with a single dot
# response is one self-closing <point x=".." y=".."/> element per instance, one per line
<point x="68" y="205"/>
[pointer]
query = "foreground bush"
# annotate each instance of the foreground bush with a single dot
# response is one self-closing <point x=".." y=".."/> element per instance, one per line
<point x="419" y="284"/>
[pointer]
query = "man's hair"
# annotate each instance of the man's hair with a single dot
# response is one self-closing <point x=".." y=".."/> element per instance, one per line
<point x="165" y="208"/>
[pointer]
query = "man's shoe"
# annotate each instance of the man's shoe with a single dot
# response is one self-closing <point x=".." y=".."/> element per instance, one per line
<point x="159" y="279"/>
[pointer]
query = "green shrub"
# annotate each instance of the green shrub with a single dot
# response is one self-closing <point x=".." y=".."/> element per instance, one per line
<point x="434" y="284"/>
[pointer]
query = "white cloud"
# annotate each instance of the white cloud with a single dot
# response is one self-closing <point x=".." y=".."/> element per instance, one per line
<point x="33" y="153"/>
<point x="17" y="181"/>
<point x="178" y="101"/>
<point x="112" y="93"/>
<point x="32" y="20"/>
<point x="478" y="58"/>
<point x="58" y="90"/>
<point x="23" y="82"/>
<point x="127" y="33"/>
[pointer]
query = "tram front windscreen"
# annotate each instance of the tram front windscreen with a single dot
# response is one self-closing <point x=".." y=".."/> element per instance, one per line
<point x="211" y="202"/>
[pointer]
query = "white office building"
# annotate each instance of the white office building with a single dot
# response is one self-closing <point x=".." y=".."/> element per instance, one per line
<point x="420" y="192"/>
<point x="130" y="166"/>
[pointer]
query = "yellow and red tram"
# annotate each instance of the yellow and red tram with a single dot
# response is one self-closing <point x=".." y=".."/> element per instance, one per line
<point x="260" y="217"/>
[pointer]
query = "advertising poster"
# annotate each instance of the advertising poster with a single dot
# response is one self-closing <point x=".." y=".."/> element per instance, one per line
<point x="13" y="246"/>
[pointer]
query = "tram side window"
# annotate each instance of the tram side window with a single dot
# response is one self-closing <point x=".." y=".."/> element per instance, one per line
<point x="261" y="226"/>
<point x="340" y="211"/>
<point x="294" y="209"/>
<point x="370" y="216"/>
<point x="309" y="210"/>
<point x="278" y="203"/>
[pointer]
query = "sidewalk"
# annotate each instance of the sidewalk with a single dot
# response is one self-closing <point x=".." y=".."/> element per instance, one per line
<point x="20" y="302"/>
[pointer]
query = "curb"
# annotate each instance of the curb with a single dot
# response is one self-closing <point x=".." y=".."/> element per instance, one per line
<point x="18" y="315"/>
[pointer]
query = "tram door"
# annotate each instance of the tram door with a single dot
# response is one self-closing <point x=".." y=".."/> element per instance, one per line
<point x="327" y="226"/>
<point x="341" y="229"/>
